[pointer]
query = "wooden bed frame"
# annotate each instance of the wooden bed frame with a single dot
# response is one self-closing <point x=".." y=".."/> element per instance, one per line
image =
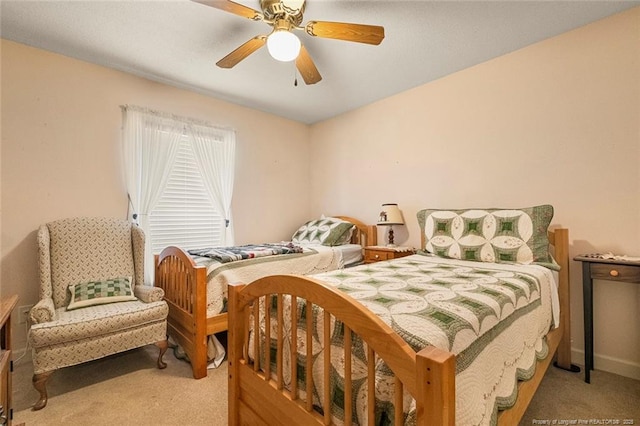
<point x="255" y="397"/>
<point x="185" y="291"/>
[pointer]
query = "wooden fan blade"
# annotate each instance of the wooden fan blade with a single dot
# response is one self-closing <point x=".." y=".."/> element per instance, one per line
<point x="242" y="52"/>
<point x="307" y="68"/>
<point x="235" y="8"/>
<point x="370" y="34"/>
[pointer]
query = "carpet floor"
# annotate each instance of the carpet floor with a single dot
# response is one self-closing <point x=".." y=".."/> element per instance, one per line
<point x="127" y="389"/>
<point x="123" y="389"/>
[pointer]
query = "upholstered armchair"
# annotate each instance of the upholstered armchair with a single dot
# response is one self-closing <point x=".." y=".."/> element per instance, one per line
<point x="93" y="301"/>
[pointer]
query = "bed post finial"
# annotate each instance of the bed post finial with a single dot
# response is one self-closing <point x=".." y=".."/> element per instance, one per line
<point x="436" y="384"/>
<point x="561" y="254"/>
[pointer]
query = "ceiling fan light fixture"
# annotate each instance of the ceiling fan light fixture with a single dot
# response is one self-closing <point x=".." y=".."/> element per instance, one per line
<point x="283" y="45"/>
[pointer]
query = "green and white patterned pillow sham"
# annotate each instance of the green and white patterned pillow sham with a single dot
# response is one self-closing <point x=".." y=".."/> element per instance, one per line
<point x="100" y="292"/>
<point x="339" y="234"/>
<point x="489" y="235"/>
<point x="328" y="231"/>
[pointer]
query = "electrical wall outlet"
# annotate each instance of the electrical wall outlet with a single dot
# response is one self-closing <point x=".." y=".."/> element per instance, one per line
<point x="23" y="313"/>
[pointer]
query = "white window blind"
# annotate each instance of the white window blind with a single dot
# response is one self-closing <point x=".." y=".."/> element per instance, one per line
<point x="185" y="216"/>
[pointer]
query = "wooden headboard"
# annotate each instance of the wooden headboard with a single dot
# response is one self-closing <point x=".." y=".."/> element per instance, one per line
<point x="365" y="235"/>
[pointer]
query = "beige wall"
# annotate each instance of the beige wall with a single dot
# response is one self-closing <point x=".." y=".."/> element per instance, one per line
<point x="557" y="122"/>
<point x="61" y="155"/>
<point x="0" y="183"/>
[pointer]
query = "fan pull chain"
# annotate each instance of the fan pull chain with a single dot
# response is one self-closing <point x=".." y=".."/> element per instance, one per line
<point x="295" y="77"/>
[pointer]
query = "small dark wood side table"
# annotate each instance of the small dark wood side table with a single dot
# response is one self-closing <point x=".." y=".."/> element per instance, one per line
<point x="600" y="269"/>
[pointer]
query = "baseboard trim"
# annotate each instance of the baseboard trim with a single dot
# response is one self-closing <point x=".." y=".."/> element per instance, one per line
<point x="609" y="364"/>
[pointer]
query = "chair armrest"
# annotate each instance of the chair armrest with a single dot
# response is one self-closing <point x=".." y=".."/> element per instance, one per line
<point x="148" y="293"/>
<point x="43" y="311"/>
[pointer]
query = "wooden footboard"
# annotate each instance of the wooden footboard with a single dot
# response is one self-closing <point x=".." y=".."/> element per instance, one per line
<point x="256" y="397"/>
<point x="185" y="291"/>
<point x="260" y="393"/>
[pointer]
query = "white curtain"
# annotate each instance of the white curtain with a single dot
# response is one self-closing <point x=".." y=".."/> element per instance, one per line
<point x="150" y="146"/>
<point x="214" y="151"/>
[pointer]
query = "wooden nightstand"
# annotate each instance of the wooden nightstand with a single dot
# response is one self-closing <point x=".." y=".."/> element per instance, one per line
<point x="6" y="364"/>
<point x="378" y="253"/>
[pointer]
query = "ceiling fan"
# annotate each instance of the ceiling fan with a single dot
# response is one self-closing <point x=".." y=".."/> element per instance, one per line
<point x="285" y="16"/>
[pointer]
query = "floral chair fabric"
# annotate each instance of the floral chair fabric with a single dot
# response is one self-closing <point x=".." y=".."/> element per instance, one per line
<point x="78" y="250"/>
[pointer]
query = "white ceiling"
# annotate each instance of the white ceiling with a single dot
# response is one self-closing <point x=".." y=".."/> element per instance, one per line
<point x="178" y="42"/>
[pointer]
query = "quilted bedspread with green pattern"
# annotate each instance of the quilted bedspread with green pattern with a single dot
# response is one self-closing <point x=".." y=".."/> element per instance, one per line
<point x="219" y="275"/>
<point x="492" y="316"/>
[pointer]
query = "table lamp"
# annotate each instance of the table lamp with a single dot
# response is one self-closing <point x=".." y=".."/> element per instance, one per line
<point x="390" y="215"/>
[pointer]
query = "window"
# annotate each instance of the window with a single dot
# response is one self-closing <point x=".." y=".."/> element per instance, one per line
<point x="185" y="216"/>
<point x="179" y="179"/>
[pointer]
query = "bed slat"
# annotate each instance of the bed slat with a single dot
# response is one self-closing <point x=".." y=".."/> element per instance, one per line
<point x="309" y="363"/>
<point x="245" y="336"/>
<point x="327" y="367"/>
<point x="347" y="377"/>
<point x="279" y="343"/>
<point x="267" y="337"/>
<point x="294" y="347"/>
<point x="398" y="415"/>
<point x="371" y="390"/>
<point x="256" y="337"/>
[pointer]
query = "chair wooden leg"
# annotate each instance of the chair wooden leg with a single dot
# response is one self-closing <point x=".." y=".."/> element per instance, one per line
<point x="163" y="345"/>
<point x="40" y="383"/>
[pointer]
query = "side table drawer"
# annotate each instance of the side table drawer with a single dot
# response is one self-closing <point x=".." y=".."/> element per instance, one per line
<point x="377" y="255"/>
<point x="627" y="273"/>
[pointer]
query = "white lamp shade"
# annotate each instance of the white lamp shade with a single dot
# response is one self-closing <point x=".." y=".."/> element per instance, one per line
<point x="283" y="45"/>
<point x="390" y="215"/>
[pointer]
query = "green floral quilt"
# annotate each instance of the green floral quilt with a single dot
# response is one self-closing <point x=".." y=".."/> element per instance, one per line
<point x="492" y="316"/>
